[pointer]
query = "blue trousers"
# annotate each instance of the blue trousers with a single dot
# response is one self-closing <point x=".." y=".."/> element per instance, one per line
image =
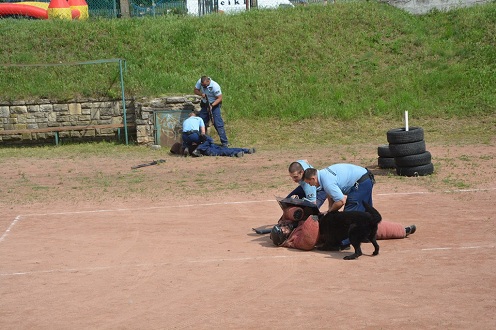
<point x="209" y="148"/>
<point x="188" y="140"/>
<point x="361" y="192"/>
<point x="218" y="121"/>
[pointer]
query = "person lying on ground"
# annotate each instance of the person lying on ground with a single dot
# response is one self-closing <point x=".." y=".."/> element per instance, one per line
<point x="209" y="148"/>
<point x="346" y="186"/>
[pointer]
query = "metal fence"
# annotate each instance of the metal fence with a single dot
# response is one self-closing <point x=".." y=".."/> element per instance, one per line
<point x="138" y="8"/>
<point x="99" y="8"/>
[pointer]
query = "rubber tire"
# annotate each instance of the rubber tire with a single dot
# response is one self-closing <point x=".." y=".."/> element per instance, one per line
<point x="406" y="149"/>
<point x="383" y="151"/>
<point x="400" y="135"/>
<point x="414" y="160"/>
<point x="415" y="170"/>
<point x="386" y="162"/>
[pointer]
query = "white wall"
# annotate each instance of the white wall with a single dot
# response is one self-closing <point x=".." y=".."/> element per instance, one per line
<point x="424" y="6"/>
<point x="232" y="6"/>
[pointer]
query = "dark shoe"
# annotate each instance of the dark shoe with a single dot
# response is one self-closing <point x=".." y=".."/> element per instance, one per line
<point x="251" y="151"/>
<point x="410" y="230"/>
<point x="344" y="247"/>
<point x="240" y="154"/>
<point x="186" y="152"/>
<point x="196" y="153"/>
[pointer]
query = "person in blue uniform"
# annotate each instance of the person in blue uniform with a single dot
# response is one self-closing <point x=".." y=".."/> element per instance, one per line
<point x="209" y="148"/>
<point x="346" y="185"/>
<point x="193" y="131"/>
<point x="350" y="185"/>
<point x="304" y="190"/>
<point x="210" y="91"/>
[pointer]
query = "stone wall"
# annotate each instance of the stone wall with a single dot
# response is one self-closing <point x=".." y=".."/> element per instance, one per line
<point x="145" y="109"/>
<point x="42" y="114"/>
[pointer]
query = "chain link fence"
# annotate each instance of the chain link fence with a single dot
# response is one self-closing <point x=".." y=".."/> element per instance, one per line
<point x="137" y="8"/>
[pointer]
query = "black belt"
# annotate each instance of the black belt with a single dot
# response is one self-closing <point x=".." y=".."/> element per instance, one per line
<point x="191" y="132"/>
<point x="367" y="175"/>
<point x="363" y="178"/>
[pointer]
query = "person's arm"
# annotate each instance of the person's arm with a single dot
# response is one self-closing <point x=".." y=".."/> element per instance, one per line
<point x="310" y="192"/>
<point x="198" y="92"/>
<point x="217" y="101"/>
<point x="336" y="205"/>
<point x="197" y="89"/>
<point x="330" y="201"/>
<point x="201" y="126"/>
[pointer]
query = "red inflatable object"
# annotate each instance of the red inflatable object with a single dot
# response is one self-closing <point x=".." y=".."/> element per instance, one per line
<point x="8" y="9"/>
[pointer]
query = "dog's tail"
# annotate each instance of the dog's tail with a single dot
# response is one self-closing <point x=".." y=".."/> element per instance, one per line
<point x="376" y="216"/>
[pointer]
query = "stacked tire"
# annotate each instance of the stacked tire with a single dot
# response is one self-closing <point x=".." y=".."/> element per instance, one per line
<point x="409" y="152"/>
<point x="386" y="158"/>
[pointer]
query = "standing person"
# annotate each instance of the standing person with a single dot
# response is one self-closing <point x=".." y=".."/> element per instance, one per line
<point x="193" y="132"/>
<point x="210" y="105"/>
<point x="304" y="190"/>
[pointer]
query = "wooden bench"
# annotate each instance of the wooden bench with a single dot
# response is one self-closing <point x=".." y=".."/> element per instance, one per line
<point x="58" y="129"/>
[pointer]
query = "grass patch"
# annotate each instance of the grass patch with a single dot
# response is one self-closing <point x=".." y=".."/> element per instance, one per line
<point x="342" y="62"/>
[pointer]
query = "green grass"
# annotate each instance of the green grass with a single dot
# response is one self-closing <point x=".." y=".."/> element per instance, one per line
<point x="348" y="61"/>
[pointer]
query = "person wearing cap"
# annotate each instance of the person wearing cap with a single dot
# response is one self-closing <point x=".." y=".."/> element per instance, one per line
<point x="210" y="104"/>
<point x="193" y="132"/>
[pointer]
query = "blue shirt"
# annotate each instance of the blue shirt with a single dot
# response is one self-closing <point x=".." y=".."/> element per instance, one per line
<point x="310" y="191"/>
<point x="193" y="123"/>
<point x="338" y="179"/>
<point x="212" y="91"/>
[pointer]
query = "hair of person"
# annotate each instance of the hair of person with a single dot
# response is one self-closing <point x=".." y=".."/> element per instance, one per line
<point x="295" y="167"/>
<point x="309" y="173"/>
<point x="204" y="78"/>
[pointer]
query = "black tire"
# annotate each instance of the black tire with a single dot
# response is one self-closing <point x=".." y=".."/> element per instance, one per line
<point x="386" y="162"/>
<point x="401" y="135"/>
<point x="406" y="149"/>
<point x="414" y="160"/>
<point x="383" y="151"/>
<point x="415" y="170"/>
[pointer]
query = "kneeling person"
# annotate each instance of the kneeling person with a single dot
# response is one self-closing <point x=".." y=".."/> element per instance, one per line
<point x="193" y="132"/>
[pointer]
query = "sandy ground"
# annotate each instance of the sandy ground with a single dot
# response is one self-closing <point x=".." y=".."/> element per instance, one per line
<point x="88" y="243"/>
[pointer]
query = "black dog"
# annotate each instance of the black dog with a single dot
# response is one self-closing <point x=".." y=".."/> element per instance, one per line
<point x="358" y="226"/>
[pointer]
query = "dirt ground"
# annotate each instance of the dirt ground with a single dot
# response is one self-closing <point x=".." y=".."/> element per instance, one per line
<point x="88" y="243"/>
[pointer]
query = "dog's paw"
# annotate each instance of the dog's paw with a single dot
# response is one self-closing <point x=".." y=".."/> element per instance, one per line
<point x="375" y="253"/>
<point x="351" y="257"/>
